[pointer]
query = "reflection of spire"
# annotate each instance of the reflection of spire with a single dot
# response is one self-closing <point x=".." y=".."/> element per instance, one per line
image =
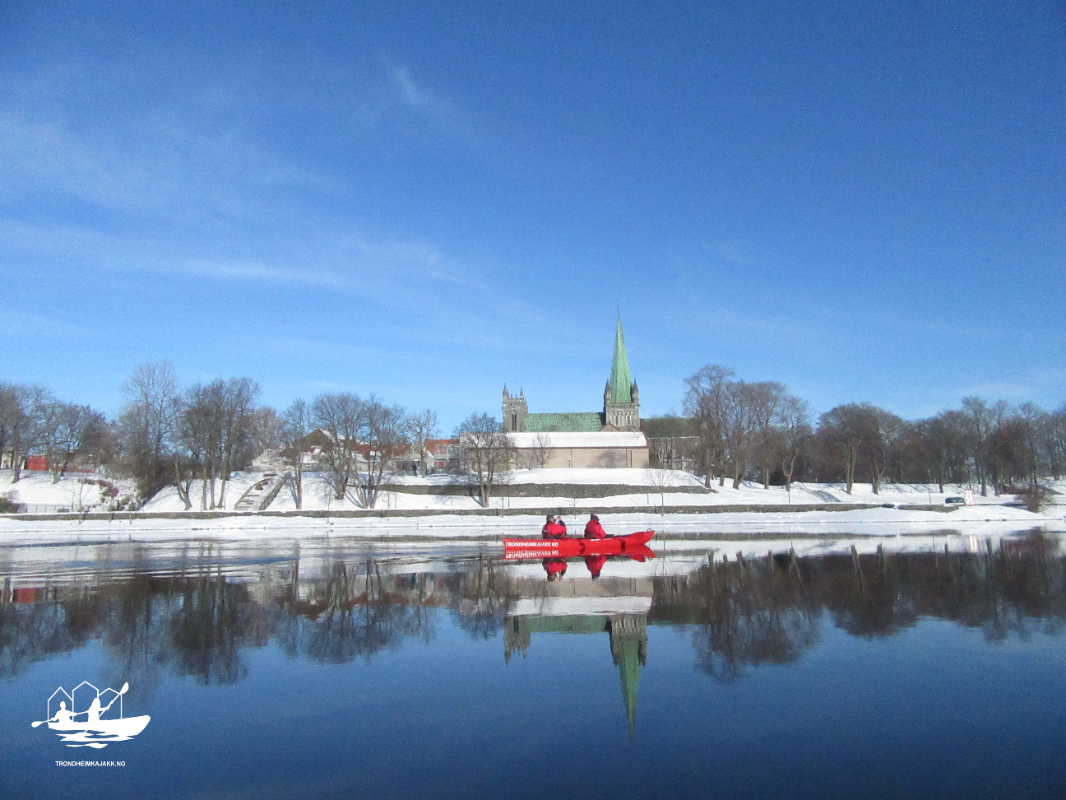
<point x="629" y="644"/>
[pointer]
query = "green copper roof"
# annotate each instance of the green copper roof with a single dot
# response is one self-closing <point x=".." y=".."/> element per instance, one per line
<point x="577" y="422"/>
<point x="569" y="624"/>
<point x="621" y="381"/>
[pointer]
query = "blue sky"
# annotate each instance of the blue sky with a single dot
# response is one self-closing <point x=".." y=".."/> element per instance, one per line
<point x="864" y="201"/>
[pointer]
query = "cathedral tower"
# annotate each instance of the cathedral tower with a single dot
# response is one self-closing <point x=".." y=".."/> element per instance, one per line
<point x="621" y="399"/>
<point x="514" y="411"/>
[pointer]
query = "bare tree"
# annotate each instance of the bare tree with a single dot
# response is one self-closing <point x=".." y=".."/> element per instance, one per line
<point x="297" y="426"/>
<point x="266" y="433"/>
<point x="939" y="449"/>
<point x="238" y="419"/>
<point x="796" y="435"/>
<point x="767" y="401"/>
<point x="70" y="430"/>
<point x="24" y="414"/>
<point x="1030" y="419"/>
<point x="661" y="479"/>
<point x="885" y="432"/>
<point x="341" y="417"/>
<point x="9" y="407"/>
<point x="844" y="432"/>
<point x="383" y="436"/>
<point x="745" y="405"/>
<point x="487" y="453"/>
<point x="705" y="403"/>
<point x="983" y="420"/>
<point x="536" y="456"/>
<point x="540" y="453"/>
<point x="200" y="433"/>
<point x="148" y="426"/>
<point x="216" y="428"/>
<point x="862" y="435"/>
<point x="1054" y="442"/>
<point x="421" y="428"/>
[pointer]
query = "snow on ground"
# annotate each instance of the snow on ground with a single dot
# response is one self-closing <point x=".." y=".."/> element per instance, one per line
<point x="673" y="528"/>
<point x="588" y="475"/>
<point x="652" y="488"/>
<point x="73" y="491"/>
<point x="903" y="518"/>
<point x="227" y="493"/>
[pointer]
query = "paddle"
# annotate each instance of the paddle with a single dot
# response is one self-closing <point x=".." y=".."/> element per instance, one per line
<point x="122" y="691"/>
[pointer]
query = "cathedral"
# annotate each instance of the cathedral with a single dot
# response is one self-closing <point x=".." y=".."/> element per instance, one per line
<point x="608" y="438"/>
<point x="621" y="404"/>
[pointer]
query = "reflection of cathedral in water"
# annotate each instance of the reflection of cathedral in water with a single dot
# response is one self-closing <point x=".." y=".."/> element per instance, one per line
<point x="627" y="629"/>
<point x="628" y="636"/>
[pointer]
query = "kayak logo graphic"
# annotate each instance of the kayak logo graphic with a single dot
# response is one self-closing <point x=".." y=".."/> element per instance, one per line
<point x="89" y="728"/>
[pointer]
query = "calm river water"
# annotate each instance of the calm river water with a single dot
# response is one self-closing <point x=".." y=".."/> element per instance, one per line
<point x="339" y="669"/>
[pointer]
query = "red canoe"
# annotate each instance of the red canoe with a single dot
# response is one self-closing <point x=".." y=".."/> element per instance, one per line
<point x="565" y="548"/>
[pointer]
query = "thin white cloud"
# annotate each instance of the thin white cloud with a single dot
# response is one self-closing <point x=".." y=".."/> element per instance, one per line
<point x="444" y="114"/>
<point x="417" y="97"/>
<point x="252" y="273"/>
<point x="14" y="323"/>
<point x="152" y="166"/>
<point x="1029" y="385"/>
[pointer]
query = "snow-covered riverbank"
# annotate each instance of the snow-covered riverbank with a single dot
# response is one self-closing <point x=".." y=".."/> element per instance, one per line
<point x="872" y="522"/>
<point x="821" y="510"/>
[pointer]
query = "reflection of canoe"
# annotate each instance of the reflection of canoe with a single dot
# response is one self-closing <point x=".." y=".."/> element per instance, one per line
<point x="565" y="548"/>
<point x="130" y="726"/>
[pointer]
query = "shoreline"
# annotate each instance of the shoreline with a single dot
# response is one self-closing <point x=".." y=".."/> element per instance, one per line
<point x="489" y="525"/>
<point x="406" y="513"/>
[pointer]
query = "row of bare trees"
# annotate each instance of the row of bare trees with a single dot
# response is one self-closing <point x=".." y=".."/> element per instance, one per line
<point x="34" y="421"/>
<point x="744" y="430"/>
<point x="365" y="437"/>
<point x="733" y="429"/>
<point x="171" y="436"/>
<point x="994" y="445"/>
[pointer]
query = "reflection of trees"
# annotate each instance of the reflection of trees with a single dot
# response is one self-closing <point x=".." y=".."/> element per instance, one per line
<point x="31" y="632"/>
<point x="745" y="613"/>
<point x="866" y="597"/>
<point x="484" y="598"/>
<point x="357" y="611"/>
<point x="136" y="635"/>
<point x="212" y="621"/>
<point x="767" y="611"/>
<point x="1018" y="590"/>
<point x="197" y="620"/>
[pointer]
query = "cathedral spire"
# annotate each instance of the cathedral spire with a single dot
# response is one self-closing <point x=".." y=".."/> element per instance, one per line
<point x="621" y="381"/>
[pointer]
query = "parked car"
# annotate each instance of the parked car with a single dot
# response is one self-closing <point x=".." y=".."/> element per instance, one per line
<point x="955" y="501"/>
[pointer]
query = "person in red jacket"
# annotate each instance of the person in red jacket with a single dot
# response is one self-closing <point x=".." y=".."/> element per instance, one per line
<point x="553" y="529"/>
<point x="595" y="564"/>
<point x="555" y="567"/>
<point x="593" y="529"/>
<point x="547" y="530"/>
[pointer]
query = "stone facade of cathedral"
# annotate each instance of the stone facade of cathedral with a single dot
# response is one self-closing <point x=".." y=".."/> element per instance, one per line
<point x="576" y="439"/>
